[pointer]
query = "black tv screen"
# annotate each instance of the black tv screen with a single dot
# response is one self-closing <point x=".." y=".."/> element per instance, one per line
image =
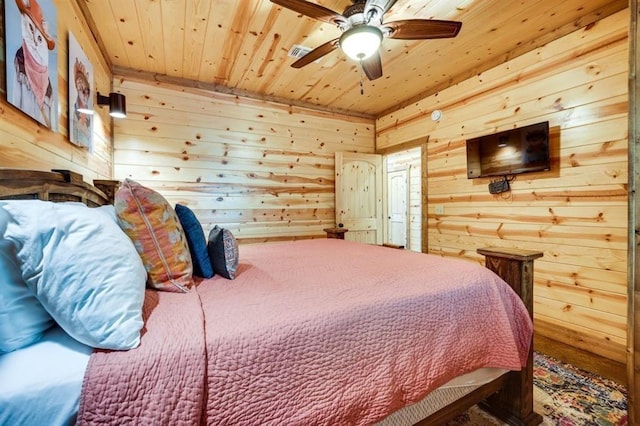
<point x="521" y="150"/>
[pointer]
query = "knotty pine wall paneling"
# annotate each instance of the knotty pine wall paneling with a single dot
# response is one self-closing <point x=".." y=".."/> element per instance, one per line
<point x="576" y="213"/>
<point x="261" y="169"/>
<point x="26" y="144"/>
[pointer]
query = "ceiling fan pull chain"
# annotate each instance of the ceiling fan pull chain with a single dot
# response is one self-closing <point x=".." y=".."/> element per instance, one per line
<point x="361" y="83"/>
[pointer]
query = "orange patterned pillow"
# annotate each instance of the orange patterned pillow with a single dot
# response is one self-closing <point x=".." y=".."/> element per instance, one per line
<point x="153" y="226"/>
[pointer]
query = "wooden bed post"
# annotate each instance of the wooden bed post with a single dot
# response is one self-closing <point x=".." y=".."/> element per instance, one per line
<point x="514" y="403"/>
<point x="510" y="396"/>
<point x="109" y="187"/>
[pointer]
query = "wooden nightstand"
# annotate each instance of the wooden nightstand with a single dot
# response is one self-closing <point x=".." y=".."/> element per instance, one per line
<point x="335" y="232"/>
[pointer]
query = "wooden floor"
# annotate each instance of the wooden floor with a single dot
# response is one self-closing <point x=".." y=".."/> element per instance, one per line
<point x="582" y="359"/>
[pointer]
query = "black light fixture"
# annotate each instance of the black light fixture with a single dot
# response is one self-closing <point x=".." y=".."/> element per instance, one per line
<point x="117" y="104"/>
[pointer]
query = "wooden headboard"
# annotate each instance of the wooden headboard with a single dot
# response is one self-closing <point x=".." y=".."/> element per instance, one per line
<point x="56" y="185"/>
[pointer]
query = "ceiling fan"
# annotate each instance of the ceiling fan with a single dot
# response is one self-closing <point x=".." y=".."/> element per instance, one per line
<point x="363" y="30"/>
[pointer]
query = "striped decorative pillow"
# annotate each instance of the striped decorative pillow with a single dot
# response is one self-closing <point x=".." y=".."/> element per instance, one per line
<point x="223" y="252"/>
<point x="151" y="223"/>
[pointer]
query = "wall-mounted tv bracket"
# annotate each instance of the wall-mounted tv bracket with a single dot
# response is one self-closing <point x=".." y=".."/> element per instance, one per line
<point x="500" y="185"/>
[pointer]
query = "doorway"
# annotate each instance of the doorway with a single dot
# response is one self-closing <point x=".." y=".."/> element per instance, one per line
<point x="403" y="219"/>
<point x="397" y="212"/>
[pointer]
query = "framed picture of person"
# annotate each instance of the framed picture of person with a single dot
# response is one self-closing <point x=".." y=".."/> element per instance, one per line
<point x="32" y="59"/>
<point x="80" y="96"/>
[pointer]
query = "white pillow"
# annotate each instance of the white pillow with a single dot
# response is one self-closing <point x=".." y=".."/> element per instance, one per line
<point x="81" y="267"/>
<point x="23" y="319"/>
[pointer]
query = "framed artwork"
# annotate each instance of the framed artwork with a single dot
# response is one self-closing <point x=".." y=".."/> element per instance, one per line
<point x="80" y="96"/>
<point x="32" y="58"/>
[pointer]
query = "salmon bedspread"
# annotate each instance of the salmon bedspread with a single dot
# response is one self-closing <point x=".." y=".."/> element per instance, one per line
<point x="316" y="332"/>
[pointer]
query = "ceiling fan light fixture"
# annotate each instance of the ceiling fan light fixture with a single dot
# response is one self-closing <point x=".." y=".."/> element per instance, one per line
<point x="360" y="42"/>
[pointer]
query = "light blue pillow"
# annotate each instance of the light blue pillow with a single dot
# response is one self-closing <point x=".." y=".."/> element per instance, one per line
<point x="23" y="319"/>
<point x="82" y="268"/>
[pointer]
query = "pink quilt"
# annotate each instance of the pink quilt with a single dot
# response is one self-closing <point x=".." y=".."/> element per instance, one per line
<point x="159" y="383"/>
<point x="320" y="332"/>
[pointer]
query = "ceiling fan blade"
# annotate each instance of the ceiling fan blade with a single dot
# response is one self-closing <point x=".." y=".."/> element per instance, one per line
<point x="311" y="10"/>
<point x="372" y="66"/>
<point x="317" y="53"/>
<point x="420" y="29"/>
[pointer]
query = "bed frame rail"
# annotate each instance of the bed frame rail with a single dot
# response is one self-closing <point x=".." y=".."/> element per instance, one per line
<point x="57" y="185"/>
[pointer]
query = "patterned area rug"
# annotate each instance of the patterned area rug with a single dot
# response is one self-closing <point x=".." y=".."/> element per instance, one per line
<point x="565" y="396"/>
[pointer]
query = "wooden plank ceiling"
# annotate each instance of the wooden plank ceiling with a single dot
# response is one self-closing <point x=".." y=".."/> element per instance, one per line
<point x="240" y="46"/>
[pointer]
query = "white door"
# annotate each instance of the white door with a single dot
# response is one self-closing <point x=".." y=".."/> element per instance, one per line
<point x="397" y="207"/>
<point x="359" y="196"/>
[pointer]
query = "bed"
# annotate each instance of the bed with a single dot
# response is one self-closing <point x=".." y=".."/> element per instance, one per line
<point x="289" y="342"/>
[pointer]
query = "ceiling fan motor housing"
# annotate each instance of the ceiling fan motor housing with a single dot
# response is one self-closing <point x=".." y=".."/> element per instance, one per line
<point x="356" y="14"/>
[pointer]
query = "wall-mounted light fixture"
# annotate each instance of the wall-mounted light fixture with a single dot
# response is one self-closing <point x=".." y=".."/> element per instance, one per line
<point x="117" y="104"/>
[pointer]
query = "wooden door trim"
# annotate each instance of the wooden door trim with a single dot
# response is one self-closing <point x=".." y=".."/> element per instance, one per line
<point x="425" y="192"/>
<point x="633" y="260"/>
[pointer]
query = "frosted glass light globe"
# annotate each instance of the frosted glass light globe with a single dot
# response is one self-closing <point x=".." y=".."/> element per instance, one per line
<point x="361" y="42"/>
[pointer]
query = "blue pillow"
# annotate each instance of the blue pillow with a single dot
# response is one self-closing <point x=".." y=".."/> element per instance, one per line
<point x="223" y="252"/>
<point x="196" y="241"/>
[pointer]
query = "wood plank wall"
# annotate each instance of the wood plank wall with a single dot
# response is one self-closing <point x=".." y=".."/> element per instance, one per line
<point x="24" y="143"/>
<point x="576" y="213"/>
<point x="263" y="170"/>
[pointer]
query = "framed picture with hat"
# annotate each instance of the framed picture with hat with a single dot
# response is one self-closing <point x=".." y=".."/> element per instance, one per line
<point x="80" y="96"/>
<point x="32" y="59"/>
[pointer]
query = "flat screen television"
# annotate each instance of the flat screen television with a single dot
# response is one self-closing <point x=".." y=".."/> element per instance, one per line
<point x="515" y="151"/>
